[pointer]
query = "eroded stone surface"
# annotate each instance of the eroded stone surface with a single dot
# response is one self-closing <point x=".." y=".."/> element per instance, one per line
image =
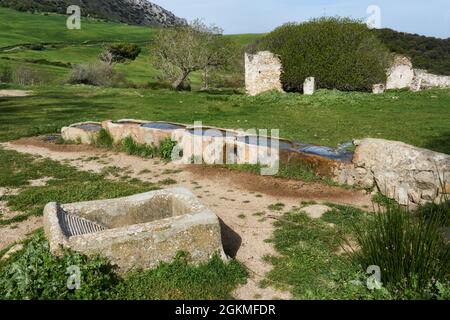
<point x="378" y="88"/>
<point x="79" y="132"/>
<point x="408" y="174"/>
<point x="139" y="231"/>
<point x="401" y="73"/>
<point x="262" y="73"/>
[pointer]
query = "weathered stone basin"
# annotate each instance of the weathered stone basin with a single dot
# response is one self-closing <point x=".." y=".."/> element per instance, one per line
<point x="121" y="129"/>
<point x="84" y="132"/>
<point x="260" y="149"/>
<point x="138" y="231"/>
<point x="209" y="145"/>
<point x="153" y="133"/>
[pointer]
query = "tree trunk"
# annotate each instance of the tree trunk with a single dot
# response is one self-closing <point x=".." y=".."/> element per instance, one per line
<point x="177" y="85"/>
<point x="205" y="79"/>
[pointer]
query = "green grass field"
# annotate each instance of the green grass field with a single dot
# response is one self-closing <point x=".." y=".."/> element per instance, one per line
<point x="327" y="118"/>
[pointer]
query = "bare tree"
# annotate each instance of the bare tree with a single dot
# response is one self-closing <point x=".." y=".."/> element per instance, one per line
<point x="181" y="50"/>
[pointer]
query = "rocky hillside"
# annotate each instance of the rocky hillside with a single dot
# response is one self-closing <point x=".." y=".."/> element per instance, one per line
<point x="137" y="12"/>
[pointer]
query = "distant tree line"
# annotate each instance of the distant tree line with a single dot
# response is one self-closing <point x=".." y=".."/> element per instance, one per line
<point x="432" y="54"/>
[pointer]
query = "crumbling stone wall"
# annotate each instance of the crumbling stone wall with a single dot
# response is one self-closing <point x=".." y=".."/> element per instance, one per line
<point x="262" y="73"/>
<point x="428" y="80"/>
<point x="401" y="74"/>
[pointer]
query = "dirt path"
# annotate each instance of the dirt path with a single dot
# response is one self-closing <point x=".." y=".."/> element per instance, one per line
<point x="14" y="93"/>
<point x="239" y="199"/>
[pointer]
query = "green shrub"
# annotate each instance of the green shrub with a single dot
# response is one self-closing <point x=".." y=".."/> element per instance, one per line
<point x="104" y="139"/>
<point x="409" y="248"/>
<point x="35" y="273"/>
<point x="340" y="53"/>
<point x="6" y="74"/>
<point x="166" y="148"/>
<point x="121" y="52"/>
<point x="131" y="147"/>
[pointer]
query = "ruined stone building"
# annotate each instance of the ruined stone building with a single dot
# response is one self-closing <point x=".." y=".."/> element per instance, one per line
<point x="262" y="73"/>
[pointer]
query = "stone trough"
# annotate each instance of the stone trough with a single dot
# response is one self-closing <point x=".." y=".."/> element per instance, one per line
<point x="259" y="149"/>
<point x="208" y="144"/>
<point x="124" y="128"/>
<point x="84" y="132"/>
<point x="138" y="231"/>
<point x="153" y="133"/>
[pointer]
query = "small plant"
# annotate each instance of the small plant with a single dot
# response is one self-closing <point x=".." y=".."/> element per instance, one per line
<point x="36" y="274"/>
<point x="409" y="248"/>
<point x="167" y="182"/>
<point x="129" y="146"/>
<point x="104" y="139"/>
<point x="6" y="74"/>
<point x="276" y="206"/>
<point x="166" y="148"/>
<point x="119" y="53"/>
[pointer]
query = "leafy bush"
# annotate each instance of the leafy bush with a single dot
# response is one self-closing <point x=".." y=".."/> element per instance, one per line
<point x="36" y="274"/>
<point x="119" y="53"/>
<point x="166" y="148"/>
<point x="340" y="53"/>
<point x="409" y="248"/>
<point x="131" y="147"/>
<point x="104" y="139"/>
<point x="6" y="74"/>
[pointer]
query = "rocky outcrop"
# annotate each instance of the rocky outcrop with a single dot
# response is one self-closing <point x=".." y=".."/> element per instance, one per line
<point x="138" y="12"/>
<point x="402" y="172"/>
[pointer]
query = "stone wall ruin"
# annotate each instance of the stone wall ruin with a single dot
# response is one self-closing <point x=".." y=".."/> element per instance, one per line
<point x="262" y="73"/>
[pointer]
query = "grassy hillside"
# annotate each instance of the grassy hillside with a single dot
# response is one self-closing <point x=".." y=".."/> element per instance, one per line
<point x="75" y="46"/>
<point x="21" y="28"/>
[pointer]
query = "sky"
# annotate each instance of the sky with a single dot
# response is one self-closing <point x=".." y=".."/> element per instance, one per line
<point x="431" y="17"/>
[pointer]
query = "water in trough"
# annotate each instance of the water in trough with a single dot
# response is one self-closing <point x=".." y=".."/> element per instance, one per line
<point x="162" y="126"/>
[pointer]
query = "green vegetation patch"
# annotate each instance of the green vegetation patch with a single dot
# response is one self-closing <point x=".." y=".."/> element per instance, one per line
<point x="34" y="273"/>
<point x="67" y="184"/>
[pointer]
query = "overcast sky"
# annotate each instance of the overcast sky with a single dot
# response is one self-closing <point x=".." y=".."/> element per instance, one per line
<point x="431" y="17"/>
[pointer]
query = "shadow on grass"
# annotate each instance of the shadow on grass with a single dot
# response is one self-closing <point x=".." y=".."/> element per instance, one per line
<point x="440" y="143"/>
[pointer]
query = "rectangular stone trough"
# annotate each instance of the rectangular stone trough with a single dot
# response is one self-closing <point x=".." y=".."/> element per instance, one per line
<point x="260" y="149"/>
<point x="85" y="132"/>
<point x="119" y="130"/>
<point x="137" y="231"/>
<point x="209" y="145"/>
<point x="155" y="132"/>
